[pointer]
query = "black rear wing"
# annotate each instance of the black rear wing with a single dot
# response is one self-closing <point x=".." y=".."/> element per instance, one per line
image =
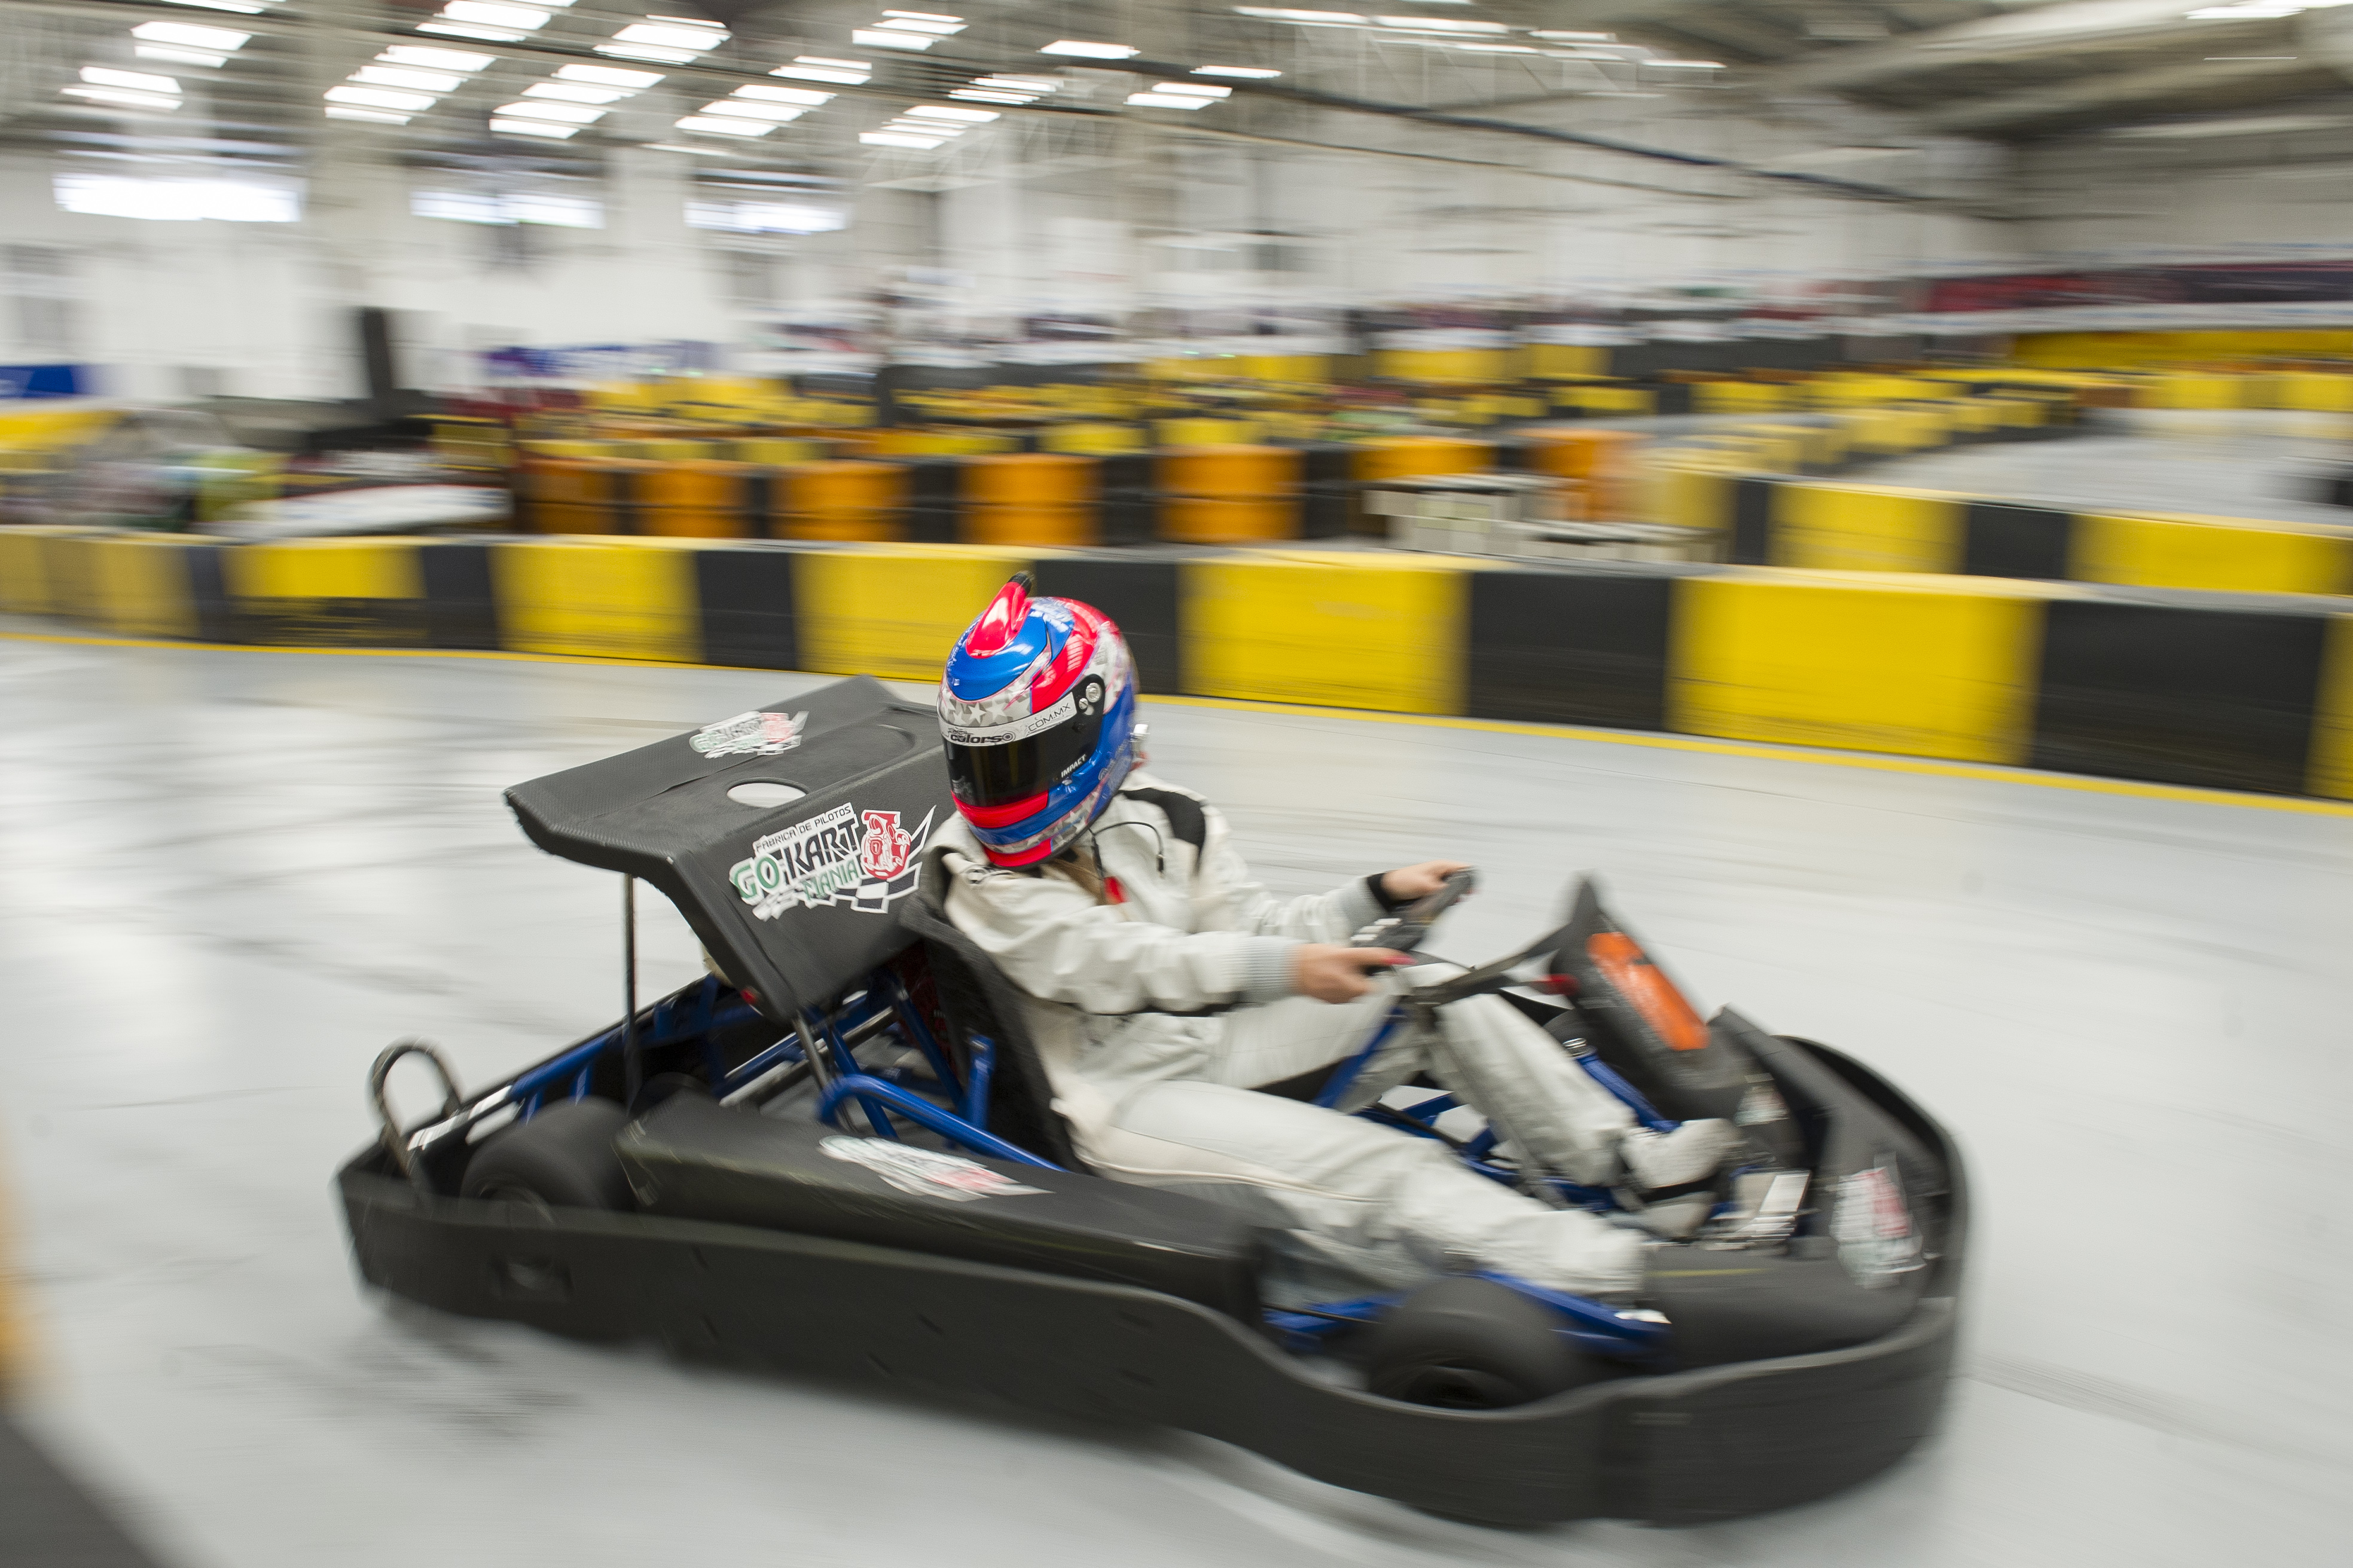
<point x="788" y="837"/>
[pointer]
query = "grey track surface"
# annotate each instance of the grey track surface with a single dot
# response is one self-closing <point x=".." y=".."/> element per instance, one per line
<point x="229" y="877"/>
<point x="2252" y="463"/>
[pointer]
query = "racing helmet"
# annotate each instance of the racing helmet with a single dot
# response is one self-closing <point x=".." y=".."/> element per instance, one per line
<point x="1038" y="713"/>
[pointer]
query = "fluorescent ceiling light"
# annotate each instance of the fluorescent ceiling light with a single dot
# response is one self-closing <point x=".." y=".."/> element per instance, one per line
<point x="1439" y="25"/>
<point x="555" y="211"/>
<point x="806" y="98"/>
<point x="1082" y="49"/>
<point x="1311" y="18"/>
<point x="728" y="126"/>
<point x="417" y="80"/>
<point x="225" y="40"/>
<point x="122" y="96"/>
<point x="949" y="111"/>
<point x="463" y="61"/>
<point x="484" y="14"/>
<point x="467" y="30"/>
<point x="137" y="81"/>
<point x="1192" y="89"/>
<point x="774" y="113"/>
<point x="374" y="116"/>
<point x="539" y="109"/>
<point x="899" y="139"/>
<point x="1250" y="73"/>
<point x="765" y="217"/>
<point x="1169" y="100"/>
<point x="380" y="98"/>
<point x="609" y="76"/>
<point x="572" y="92"/>
<point x="174" y="52"/>
<point x="179" y="201"/>
<point x="534" y="128"/>
<point x="456" y="206"/>
<point x="923" y="22"/>
<point x="876" y="38"/>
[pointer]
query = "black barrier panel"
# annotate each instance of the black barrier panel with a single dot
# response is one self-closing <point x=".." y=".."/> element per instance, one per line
<point x="930" y="524"/>
<point x="1140" y="595"/>
<point x="1752" y="521"/>
<point x="747" y="608"/>
<point x="933" y="481"/>
<point x="1127" y="517"/>
<point x="1570" y="647"/>
<point x="216" y="620"/>
<point x="2000" y="541"/>
<point x="1117" y="471"/>
<point x="1327" y="511"/>
<point x="51" y="1520"/>
<point x="2179" y="693"/>
<point x="1327" y="463"/>
<point x="461" y="608"/>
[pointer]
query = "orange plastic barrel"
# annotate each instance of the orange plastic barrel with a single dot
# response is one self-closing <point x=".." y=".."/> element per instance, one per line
<point x="1403" y="456"/>
<point x="701" y="499"/>
<point x="1212" y="520"/>
<point x="1027" y="522"/>
<point x="1233" y="473"/>
<point x="1030" y="479"/>
<point x="842" y="499"/>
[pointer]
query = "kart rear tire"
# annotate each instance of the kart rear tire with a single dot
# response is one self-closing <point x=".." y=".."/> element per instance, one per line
<point x="1472" y="1344"/>
<point x="561" y="1158"/>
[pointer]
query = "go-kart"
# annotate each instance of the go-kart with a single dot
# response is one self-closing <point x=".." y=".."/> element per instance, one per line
<point x="842" y="1159"/>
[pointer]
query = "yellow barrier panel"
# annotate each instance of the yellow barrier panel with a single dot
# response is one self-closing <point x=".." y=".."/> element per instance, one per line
<point x="1688" y="495"/>
<point x="324" y="569"/>
<point x="2316" y="392"/>
<point x="2210" y="552"/>
<point x="1926" y="668"/>
<point x="1343" y="629"/>
<point x="1841" y="528"/>
<point x="601" y="598"/>
<point x="2330" y="772"/>
<point x="893" y="612"/>
<point x="140" y="587"/>
<point x="27" y="569"/>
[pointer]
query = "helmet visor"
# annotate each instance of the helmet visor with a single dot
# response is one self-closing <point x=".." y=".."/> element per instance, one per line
<point x="1024" y="760"/>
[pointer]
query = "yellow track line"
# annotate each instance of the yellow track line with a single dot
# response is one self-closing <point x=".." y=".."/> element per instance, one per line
<point x="1870" y="761"/>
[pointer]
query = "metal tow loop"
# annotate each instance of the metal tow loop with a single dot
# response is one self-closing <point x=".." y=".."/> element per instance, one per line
<point x="452" y="1103"/>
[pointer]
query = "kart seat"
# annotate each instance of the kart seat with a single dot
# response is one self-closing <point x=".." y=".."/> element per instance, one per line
<point x="979" y="1000"/>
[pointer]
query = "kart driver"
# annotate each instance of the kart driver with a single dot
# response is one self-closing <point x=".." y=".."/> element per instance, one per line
<point x="1186" y="1017"/>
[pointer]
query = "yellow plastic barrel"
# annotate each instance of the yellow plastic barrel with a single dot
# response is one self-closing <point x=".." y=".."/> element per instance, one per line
<point x="1403" y="456"/>
<point x="701" y="500"/>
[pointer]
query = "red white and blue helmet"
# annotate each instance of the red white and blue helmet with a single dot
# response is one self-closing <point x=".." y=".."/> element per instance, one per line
<point x="1037" y="712"/>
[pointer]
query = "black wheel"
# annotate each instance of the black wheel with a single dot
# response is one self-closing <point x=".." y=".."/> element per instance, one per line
<point x="1472" y="1344"/>
<point x="561" y="1158"/>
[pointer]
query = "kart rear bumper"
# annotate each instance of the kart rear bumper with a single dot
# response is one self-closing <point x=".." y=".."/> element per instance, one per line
<point x="1682" y="1449"/>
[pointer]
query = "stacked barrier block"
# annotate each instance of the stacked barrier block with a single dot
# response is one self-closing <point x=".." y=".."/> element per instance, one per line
<point x="1227" y="495"/>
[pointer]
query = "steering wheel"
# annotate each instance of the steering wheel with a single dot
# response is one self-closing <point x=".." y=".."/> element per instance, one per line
<point x="1403" y="930"/>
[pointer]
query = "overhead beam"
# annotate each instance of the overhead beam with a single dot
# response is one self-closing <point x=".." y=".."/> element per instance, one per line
<point x="2022" y="34"/>
<point x="2095" y="92"/>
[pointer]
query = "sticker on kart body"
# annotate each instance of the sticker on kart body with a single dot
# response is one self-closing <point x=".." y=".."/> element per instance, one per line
<point x="1762" y="1104"/>
<point x="862" y="859"/>
<point x="924" y="1173"/>
<point x="750" y="735"/>
<point x="1875" y="1238"/>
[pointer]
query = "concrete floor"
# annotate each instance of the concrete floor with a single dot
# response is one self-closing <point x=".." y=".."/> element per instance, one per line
<point x="2237" y="462"/>
<point x="227" y="878"/>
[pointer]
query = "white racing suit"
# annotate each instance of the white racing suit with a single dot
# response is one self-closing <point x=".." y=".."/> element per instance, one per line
<point x="1156" y="1090"/>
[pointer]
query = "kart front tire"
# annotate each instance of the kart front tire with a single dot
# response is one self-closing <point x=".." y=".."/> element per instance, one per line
<point x="561" y="1158"/>
<point x="1472" y="1344"/>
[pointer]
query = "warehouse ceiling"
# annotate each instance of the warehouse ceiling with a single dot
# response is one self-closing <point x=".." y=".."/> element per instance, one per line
<point x="858" y="91"/>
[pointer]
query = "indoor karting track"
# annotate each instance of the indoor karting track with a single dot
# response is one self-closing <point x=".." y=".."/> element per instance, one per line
<point x="231" y="878"/>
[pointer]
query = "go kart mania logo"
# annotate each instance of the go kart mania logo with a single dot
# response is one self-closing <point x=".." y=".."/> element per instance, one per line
<point x="862" y="859"/>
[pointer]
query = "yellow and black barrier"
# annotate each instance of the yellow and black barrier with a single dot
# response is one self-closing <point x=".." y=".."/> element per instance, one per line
<point x="1812" y="525"/>
<point x="2220" y="690"/>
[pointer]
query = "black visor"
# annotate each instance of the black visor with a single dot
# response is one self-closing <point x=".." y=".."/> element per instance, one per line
<point x="999" y="775"/>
